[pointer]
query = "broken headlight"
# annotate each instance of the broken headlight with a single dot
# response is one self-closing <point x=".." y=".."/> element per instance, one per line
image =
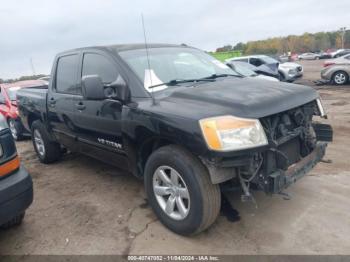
<point x="229" y="133"/>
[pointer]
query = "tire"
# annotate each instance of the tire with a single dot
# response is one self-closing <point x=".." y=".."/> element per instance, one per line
<point x="204" y="200"/>
<point x="48" y="151"/>
<point x="340" y="78"/>
<point x="15" y="129"/>
<point x="281" y="77"/>
<point x="13" y="222"/>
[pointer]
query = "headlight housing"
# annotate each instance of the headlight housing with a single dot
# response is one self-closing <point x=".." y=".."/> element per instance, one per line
<point x="229" y="133"/>
<point x="321" y="108"/>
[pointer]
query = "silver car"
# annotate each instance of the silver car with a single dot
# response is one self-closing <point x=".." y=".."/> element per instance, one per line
<point x="308" y="56"/>
<point x="337" y="70"/>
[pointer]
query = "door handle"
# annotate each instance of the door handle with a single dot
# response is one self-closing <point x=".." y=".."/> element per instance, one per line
<point x="80" y="106"/>
<point x="52" y="101"/>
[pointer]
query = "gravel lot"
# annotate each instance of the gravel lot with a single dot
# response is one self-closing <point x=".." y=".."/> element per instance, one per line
<point x="82" y="206"/>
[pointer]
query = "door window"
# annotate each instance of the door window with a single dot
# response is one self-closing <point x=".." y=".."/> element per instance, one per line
<point x="66" y="74"/>
<point x="94" y="64"/>
<point x="255" y="61"/>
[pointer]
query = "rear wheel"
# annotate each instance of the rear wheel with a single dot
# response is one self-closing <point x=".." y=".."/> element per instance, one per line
<point x="47" y="150"/>
<point x="13" y="222"/>
<point x="15" y="129"/>
<point x="180" y="192"/>
<point x="340" y="78"/>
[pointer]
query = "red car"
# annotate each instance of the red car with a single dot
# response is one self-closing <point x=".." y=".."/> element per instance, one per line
<point x="8" y="104"/>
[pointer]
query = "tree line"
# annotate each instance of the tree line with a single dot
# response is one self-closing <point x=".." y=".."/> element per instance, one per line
<point x="22" y="78"/>
<point x="306" y="42"/>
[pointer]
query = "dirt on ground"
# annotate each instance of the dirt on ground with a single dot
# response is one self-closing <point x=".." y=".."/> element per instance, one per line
<point x="82" y="206"/>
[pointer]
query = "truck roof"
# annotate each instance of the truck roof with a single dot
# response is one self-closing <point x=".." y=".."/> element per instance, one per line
<point x="126" y="47"/>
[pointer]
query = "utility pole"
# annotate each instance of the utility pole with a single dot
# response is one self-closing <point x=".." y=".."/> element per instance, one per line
<point x="342" y="30"/>
<point x="32" y="66"/>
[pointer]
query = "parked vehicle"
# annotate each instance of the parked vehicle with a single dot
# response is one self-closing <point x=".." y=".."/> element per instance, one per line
<point x="179" y="119"/>
<point x="308" y="56"/>
<point x="16" y="189"/>
<point x="340" y="52"/>
<point x="290" y="71"/>
<point x="339" y="61"/>
<point x="45" y="78"/>
<point x="247" y="70"/>
<point x="287" y="71"/>
<point x="265" y="65"/>
<point x="337" y="70"/>
<point x="324" y="55"/>
<point x="8" y="105"/>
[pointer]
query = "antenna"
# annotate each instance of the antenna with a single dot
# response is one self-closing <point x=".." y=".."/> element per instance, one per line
<point x="147" y="54"/>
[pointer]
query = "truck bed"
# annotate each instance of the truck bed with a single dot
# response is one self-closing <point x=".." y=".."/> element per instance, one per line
<point x="31" y="101"/>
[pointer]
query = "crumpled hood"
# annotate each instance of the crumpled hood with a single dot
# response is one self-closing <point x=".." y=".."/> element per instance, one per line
<point x="251" y="98"/>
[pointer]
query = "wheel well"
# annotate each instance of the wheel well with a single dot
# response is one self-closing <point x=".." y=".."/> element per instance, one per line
<point x="147" y="149"/>
<point x="281" y="74"/>
<point x="340" y="71"/>
<point x="31" y="119"/>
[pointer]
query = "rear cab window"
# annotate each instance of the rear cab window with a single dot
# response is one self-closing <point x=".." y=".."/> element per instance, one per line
<point x="66" y="74"/>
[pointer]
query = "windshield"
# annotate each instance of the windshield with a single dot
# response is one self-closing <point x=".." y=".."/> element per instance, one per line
<point x="172" y="63"/>
<point x="12" y="91"/>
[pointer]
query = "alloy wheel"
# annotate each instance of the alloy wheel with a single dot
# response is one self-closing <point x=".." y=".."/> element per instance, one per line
<point x="339" y="78"/>
<point x="39" y="143"/>
<point x="171" y="192"/>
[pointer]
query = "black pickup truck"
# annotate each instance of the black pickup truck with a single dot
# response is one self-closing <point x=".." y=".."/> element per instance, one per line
<point x="185" y="123"/>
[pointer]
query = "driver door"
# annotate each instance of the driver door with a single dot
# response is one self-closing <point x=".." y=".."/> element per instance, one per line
<point x="98" y="122"/>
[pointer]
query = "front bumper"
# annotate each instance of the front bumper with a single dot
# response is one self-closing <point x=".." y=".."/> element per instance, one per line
<point x="325" y="74"/>
<point x="16" y="194"/>
<point x="281" y="179"/>
<point x="293" y="77"/>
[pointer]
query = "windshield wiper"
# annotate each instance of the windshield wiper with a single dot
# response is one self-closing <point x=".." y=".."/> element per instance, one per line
<point x="214" y="76"/>
<point x="179" y="81"/>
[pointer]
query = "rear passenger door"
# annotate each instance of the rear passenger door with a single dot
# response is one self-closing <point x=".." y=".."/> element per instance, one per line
<point x="64" y="87"/>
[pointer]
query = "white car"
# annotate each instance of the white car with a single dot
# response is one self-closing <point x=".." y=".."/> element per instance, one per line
<point x="287" y="71"/>
<point x="290" y="71"/>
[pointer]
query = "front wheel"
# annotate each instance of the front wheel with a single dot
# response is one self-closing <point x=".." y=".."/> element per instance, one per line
<point x="340" y="78"/>
<point x="47" y="150"/>
<point x="180" y="192"/>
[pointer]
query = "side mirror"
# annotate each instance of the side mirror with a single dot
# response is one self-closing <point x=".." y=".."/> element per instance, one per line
<point x="118" y="90"/>
<point x="92" y="87"/>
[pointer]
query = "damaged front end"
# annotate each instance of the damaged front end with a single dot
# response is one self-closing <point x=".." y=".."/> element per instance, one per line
<point x="295" y="145"/>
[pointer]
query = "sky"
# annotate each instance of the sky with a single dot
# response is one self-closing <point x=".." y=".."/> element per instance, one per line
<point x="36" y="30"/>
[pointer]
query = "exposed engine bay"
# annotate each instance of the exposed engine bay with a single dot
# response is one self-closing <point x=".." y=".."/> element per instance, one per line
<point x="296" y="144"/>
